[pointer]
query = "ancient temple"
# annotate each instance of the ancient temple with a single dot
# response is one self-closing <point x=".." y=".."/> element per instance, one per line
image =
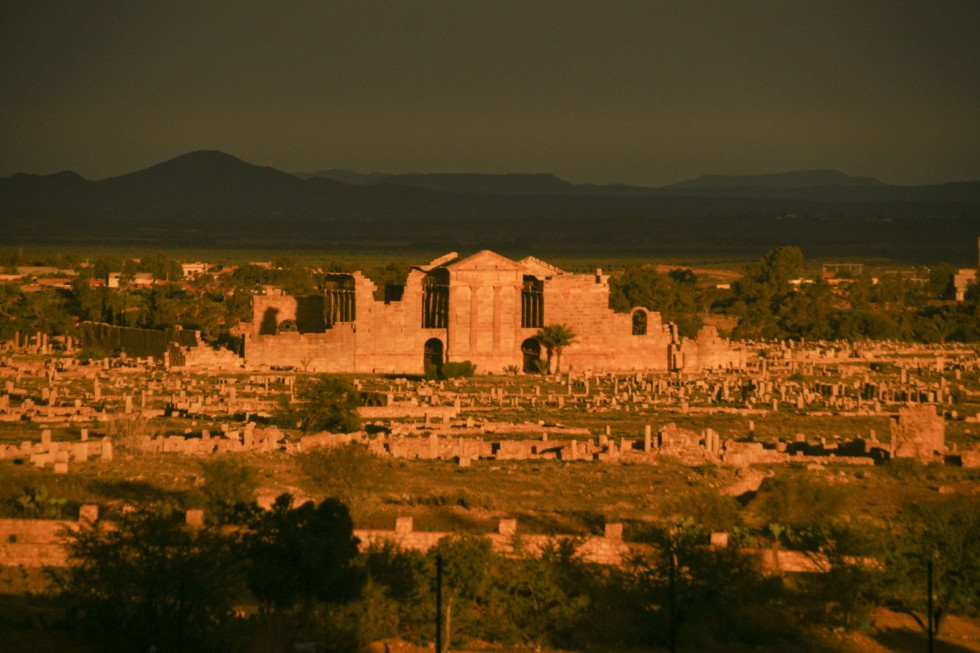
<point x="483" y="308"/>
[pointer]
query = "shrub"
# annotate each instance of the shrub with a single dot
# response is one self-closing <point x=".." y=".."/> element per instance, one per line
<point x="462" y="369"/>
<point x="303" y="555"/>
<point x="455" y="370"/>
<point x="149" y="583"/>
<point x="324" y="403"/>
<point x="229" y="486"/>
<point x="349" y="472"/>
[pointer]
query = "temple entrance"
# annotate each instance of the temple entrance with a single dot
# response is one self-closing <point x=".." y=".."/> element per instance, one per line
<point x="432" y="357"/>
<point x="531" y="349"/>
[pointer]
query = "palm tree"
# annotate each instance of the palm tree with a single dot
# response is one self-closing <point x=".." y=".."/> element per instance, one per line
<point x="555" y="337"/>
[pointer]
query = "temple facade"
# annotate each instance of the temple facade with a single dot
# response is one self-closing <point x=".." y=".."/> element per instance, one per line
<point x="483" y="308"/>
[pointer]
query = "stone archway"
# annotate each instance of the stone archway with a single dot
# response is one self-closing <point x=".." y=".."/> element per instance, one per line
<point x="433" y="354"/>
<point x="531" y="351"/>
<point x="639" y="322"/>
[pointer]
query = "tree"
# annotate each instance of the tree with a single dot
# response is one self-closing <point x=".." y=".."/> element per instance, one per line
<point x="555" y="337"/>
<point x="230" y="487"/>
<point x="940" y="279"/>
<point x="674" y="295"/>
<point x="149" y="582"/>
<point x="945" y="533"/>
<point x="805" y="313"/>
<point x="542" y="597"/>
<point x="406" y="575"/>
<point x="466" y="564"/>
<point x="762" y="290"/>
<point x="799" y="502"/>
<point x="705" y="594"/>
<point x="349" y="472"/>
<point x="298" y="555"/>
<point x="324" y="403"/>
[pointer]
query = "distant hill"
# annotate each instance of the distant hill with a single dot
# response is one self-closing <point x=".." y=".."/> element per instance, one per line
<point x="777" y="181"/>
<point x="812" y="185"/>
<point x="505" y="184"/>
<point x="208" y="198"/>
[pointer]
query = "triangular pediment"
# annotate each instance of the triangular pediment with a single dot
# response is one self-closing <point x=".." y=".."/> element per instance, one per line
<point x="485" y="260"/>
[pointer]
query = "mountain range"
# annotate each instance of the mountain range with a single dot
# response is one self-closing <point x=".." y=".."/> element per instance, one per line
<point x="817" y="185"/>
<point x="209" y="198"/>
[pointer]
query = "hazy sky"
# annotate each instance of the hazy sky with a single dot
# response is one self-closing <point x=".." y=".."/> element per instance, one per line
<point x="639" y="92"/>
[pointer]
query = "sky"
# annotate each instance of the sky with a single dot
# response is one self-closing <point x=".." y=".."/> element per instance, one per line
<point x="649" y="93"/>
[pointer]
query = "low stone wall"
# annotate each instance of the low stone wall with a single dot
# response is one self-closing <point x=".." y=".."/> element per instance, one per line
<point x="609" y="549"/>
<point x="34" y="542"/>
<point x="38" y="542"/>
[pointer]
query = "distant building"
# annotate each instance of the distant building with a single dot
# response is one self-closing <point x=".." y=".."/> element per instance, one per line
<point x="190" y="270"/>
<point x="140" y="280"/>
<point x="485" y="308"/>
<point x="963" y="278"/>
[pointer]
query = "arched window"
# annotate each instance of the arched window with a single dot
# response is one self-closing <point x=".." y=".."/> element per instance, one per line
<point x="639" y="322"/>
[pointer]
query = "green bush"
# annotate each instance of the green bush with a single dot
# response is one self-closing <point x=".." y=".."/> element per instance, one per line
<point x="149" y="583"/>
<point x="229" y="486"/>
<point x="462" y="369"/>
<point x="323" y="403"/>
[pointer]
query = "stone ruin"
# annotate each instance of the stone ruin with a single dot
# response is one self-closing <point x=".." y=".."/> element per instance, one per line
<point x="485" y="309"/>
<point x="917" y="432"/>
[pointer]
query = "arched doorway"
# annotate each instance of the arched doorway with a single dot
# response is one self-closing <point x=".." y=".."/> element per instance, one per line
<point x="433" y="355"/>
<point x="531" y="350"/>
<point x="639" y="322"/>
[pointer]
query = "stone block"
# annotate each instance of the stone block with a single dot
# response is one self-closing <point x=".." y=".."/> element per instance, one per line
<point x="404" y="525"/>
<point x="194" y="518"/>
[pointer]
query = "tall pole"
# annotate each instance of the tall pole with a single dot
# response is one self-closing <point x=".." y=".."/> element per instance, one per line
<point x="438" y="603"/>
<point x="929" y="601"/>
<point x="672" y="635"/>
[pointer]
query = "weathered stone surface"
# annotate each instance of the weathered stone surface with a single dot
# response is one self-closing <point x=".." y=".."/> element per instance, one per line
<point x="917" y="432"/>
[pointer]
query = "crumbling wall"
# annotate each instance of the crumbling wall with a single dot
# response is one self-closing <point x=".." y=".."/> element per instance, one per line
<point x="483" y="326"/>
<point x="917" y="432"/>
<point x="139" y="343"/>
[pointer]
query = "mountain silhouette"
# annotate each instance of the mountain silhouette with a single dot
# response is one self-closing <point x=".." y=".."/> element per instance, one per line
<point x="778" y="181"/>
<point x="209" y="198"/>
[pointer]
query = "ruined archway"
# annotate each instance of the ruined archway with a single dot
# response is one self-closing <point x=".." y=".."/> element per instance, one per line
<point x="270" y="323"/>
<point x="531" y="351"/>
<point x="433" y="355"/>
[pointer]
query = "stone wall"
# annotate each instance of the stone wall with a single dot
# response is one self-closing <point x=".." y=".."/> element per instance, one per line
<point x="39" y="542"/>
<point x="609" y="549"/>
